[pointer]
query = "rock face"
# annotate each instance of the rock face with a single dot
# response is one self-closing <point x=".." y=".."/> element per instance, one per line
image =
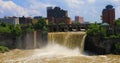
<point x="27" y="40"/>
<point x="98" y="45"/>
<point x="8" y="41"/>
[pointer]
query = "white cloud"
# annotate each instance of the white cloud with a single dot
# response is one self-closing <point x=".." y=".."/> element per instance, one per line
<point x="91" y="1"/>
<point x="37" y="8"/>
<point x="9" y="7"/>
<point x="74" y="3"/>
<point x="118" y="12"/>
<point x="116" y="0"/>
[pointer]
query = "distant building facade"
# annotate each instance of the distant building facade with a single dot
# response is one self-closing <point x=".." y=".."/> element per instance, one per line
<point x="57" y="15"/>
<point x="25" y="20"/>
<point x="79" y="19"/>
<point x="108" y="15"/>
<point x="56" y="12"/>
<point x="11" y="20"/>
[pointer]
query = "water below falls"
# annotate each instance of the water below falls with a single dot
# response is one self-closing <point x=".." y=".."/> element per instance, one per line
<point x="59" y="50"/>
<point x="54" y="54"/>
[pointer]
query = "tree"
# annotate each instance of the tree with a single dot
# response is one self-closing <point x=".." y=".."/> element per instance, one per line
<point x="16" y="31"/>
<point x="41" y="25"/>
<point x="62" y="23"/>
<point x="94" y="29"/>
<point x="117" y="48"/>
<point x="117" y="22"/>
<point x="75" y="23"/>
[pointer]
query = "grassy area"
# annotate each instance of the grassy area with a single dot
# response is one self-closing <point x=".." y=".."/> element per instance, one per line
<point x="3" y="49"/>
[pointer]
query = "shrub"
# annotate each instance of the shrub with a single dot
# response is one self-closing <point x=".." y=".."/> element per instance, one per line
<point x="117" y="48"/>
<point x="3" y="49"/>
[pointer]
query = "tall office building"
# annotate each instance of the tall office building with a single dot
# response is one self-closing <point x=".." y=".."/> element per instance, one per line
<point x="108" y="15"/>
<point x="79" y="19"/>
<point x="57" y="15"/>
<point x="57" y="12"/>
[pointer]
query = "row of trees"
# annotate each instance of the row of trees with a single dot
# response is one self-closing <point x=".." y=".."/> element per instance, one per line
<point x="99" y="31"/>
<point x="17" y="30"/>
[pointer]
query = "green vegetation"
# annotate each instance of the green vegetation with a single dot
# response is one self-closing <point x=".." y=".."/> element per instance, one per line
<point x="117" y="48"/>
<point x="17" y="30"/>
<point x="75" y="23"/>
<point x="3" y="49"/>
<point x="96" y="30"/>
<point x="29" y="28"/>
<point x="117" y="22"/>
<point x="41" y="25"/>
<point x="9" y="29"/>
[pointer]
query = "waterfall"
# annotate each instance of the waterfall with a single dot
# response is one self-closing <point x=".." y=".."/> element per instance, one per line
<point x="68" y="39"/>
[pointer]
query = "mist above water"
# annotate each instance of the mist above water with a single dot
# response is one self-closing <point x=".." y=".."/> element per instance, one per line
<point x="57" y="50"/>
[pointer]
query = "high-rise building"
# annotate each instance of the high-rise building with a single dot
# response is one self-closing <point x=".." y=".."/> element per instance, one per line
<point x="79" y="19"/>
<point x="57" y="15"/>
<point x="108" y="15"/>
<point x="57" y="12"/>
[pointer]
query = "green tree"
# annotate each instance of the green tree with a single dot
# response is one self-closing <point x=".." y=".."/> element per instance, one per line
<point x="117" y="48"/>
<point x="117" y="22"/>
<point x="62" y="23"/>
<point x="16" y="31"/>
<point x="41" y="25"/>
<point x="75" y="23"/>
<point x="94" y="29"/>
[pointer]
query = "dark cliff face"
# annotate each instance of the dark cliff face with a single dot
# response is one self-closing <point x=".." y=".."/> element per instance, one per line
<point x="100" y="46"/>
<point x="8" y="41"/>
<point x="28" y="40"/>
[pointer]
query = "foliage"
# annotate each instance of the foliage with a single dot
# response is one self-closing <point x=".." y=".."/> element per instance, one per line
<point x="3" y="49"/>
<point x="117" y="22"/>
<point x="117" y="48"/>
<point x="62" y="23"/>
<point x="94" y="30"/>
<point x="75" y="23"/>
<point x="50" y="23"/>
<point x="41" y="25"/>
<point x="103" y="32"/>
<point x="16" y="31"/>
<point x="6" y="28"/>
<point x="29" y="28"/>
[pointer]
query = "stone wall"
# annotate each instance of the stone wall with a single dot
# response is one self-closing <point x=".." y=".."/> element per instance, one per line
<point x="27" y="40"/>
<point x="98" y="45"/>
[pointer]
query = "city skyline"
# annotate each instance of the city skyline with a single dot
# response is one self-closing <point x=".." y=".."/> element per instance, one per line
<point x="91" y="10"/>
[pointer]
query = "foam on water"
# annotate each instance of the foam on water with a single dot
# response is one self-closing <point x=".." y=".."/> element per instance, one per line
<point x="57" y="50"/>
<point x="51" y="51"/>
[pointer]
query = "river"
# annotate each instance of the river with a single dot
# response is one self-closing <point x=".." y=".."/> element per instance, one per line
<point x="63" y="47"/>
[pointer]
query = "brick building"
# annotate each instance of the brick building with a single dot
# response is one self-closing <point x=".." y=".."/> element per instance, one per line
<point x="108" y="15"/>
<point x="25" y="20"/>
<point x="79" y="19"/>
<point x="57" y="15"/>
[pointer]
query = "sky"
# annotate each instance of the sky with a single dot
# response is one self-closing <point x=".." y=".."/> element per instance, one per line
<point x="91" y="10"/>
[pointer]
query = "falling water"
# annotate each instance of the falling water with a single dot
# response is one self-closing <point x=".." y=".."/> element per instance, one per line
<point x="68" y="39"/>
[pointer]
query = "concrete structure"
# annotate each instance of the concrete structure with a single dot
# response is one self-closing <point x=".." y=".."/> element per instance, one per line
<point x="11" y="20"/>
<point x="108" y="15"/>
<point x="79" y="19"/>
<point x="57" y="15"/>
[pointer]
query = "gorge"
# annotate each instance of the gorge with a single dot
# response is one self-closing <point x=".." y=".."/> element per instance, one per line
<point x="62" y="47"/>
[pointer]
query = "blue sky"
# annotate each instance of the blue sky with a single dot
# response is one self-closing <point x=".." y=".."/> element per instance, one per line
<point x="89" y="9"/>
